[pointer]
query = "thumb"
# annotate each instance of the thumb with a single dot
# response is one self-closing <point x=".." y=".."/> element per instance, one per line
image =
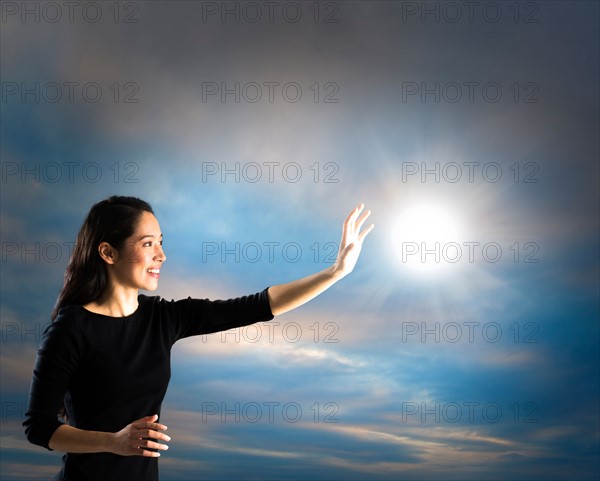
<point x="348" y="248"/>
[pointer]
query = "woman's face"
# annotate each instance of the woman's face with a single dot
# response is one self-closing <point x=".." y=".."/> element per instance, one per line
<point x="139" y="261"/>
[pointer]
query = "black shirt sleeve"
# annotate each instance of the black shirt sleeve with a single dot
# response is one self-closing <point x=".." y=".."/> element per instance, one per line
<point x="157" y="324"/>
<point x="56" y="363"/>
<point x="203" y="316"/>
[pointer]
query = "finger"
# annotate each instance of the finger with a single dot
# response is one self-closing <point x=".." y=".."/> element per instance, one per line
<point x="349" y="229"/>
<point x="346" y="230"/>
<point x="361" y="220"/>
<point x="146" y="443"/>
<point x="365" y="233"/>
<point x="146" y="419"/>
<point x="148" y="433"/>
<point x="355" y="213"/>
<point x="148" y="425"/>
<point x="149" y="454"/>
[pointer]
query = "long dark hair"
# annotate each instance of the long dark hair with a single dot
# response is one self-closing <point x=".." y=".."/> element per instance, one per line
<point x="112" y="220"/>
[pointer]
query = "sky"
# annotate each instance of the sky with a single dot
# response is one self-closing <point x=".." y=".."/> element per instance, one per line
<point x="463" y="346"/>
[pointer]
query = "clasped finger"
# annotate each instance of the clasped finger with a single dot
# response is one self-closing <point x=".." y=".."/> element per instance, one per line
<point x="146" y="443"/>
<point x="148" y="433"/>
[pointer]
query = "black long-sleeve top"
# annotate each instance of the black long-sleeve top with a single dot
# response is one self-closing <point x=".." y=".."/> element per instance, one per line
<point x="110" y="371"/>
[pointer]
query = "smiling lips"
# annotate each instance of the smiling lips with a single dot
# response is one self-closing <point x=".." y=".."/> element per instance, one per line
<point x="154" y="272"/>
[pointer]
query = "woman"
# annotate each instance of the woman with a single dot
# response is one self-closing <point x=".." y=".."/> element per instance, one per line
<point x="105" y="359"/>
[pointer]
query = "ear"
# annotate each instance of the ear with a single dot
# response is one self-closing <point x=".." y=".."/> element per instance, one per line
<point x="107" y="253"/>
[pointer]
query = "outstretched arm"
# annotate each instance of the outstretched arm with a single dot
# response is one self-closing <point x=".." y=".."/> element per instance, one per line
<point x="285" y="297"/>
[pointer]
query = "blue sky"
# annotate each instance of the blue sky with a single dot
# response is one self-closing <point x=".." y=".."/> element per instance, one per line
<point x="252" y="138"/>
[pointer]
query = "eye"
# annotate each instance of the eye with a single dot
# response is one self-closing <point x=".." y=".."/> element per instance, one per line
<point x="147" y="244"/>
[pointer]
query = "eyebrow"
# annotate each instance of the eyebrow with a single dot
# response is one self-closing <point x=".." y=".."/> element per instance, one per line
<point x="148" y="235"/>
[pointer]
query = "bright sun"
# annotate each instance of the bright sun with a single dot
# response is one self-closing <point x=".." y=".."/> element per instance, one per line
<point x="427" y="238"/>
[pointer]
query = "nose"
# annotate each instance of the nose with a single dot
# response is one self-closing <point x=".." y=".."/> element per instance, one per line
<point x="160" y="254"/>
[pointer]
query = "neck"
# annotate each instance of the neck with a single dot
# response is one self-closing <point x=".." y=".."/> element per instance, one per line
<point x="115" y="301"/>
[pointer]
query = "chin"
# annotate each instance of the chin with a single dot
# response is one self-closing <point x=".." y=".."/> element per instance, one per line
<point x="148" y="286"/>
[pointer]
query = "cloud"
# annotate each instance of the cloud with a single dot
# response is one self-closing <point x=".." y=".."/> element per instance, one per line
<point x="382" y="336"/>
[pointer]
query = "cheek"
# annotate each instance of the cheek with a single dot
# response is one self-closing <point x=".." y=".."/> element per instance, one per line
<point x="146" y="259"/>
<point x="135" y="256"/>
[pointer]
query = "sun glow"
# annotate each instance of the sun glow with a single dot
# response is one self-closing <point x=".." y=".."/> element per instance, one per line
<point x="427" y="238"/>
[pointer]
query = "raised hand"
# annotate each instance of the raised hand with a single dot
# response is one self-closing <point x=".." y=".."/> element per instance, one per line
<point x="288" y="296"/>
<point x="352" y="240"/>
